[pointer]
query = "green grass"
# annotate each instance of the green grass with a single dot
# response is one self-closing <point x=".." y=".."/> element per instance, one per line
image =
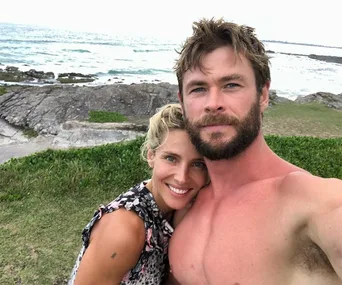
<point x="30" y="133"/>
<point x="303" y="120"/>
<point x="2" y="90"/>
<point x="47" y="198"/>
<point x="105" y="117"/>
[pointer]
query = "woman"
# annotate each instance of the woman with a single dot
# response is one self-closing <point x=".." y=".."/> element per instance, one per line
<point x="126" y="242"/>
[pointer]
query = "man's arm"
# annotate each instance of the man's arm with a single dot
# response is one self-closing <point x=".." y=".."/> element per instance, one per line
<point x="115" y="246"/>
<point x="325" y="226"/>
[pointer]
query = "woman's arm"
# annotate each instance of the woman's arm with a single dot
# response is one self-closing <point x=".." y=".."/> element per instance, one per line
<point x="116" y="243"/>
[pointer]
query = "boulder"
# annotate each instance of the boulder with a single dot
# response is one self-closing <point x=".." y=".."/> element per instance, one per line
<point x="328" y="99"/>
<point x="45" y="108"/>
<point x="275" y="99"/>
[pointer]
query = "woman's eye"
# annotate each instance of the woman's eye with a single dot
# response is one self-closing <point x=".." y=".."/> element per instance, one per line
<point x="200" y="164"/>
<point x="170" y="158"/>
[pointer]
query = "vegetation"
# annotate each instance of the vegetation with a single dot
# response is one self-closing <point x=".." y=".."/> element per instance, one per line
<point x="105" y="117"/>
<point x="30" y="133"/>
<point x="293" y="119"/>
<point x="3" y="90"/>
<point x="47" y="198"/>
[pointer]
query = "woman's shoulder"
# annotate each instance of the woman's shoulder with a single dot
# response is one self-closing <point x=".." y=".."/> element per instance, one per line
<point x="137" y="199"/>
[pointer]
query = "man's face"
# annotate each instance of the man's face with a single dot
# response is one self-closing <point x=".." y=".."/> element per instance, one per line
<point x="218" y="147"/>
<point x="221" y="105"/>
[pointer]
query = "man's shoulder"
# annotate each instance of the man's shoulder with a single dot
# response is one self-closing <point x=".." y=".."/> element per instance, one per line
<point x="303" y="178"/>
<point x="309" y="186"/>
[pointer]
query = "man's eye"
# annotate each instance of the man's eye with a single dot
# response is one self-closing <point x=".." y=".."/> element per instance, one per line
<point x="199" y="89"/>
<point x="232" y="85"/>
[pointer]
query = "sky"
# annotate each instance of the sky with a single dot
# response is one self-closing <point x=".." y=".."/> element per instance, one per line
<point x="315" y="22"/>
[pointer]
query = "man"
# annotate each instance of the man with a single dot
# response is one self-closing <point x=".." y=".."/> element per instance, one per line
<point x="262" y="220"/>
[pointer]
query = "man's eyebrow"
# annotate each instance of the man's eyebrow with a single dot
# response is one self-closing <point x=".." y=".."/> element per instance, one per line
<point x="192" y="83"/>
<point x="232" y="77"/>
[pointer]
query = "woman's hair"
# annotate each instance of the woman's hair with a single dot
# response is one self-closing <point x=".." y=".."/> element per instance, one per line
<point x="169" y="117"/>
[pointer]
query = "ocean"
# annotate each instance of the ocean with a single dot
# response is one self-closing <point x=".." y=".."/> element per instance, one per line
<point x="125" y="59"/>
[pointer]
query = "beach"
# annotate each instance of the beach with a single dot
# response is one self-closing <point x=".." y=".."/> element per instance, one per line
<point x="119" y="59"/>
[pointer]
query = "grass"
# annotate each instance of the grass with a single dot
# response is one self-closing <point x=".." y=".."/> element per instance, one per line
<point x="105" y="117"/>
<point x="3" y="90"/>
<point x="30" y="133"/>
<point x="294" y="119"/>
<point x="47" y="198"/>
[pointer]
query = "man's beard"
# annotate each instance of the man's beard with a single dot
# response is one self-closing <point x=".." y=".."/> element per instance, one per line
<point x="246" y="132"/>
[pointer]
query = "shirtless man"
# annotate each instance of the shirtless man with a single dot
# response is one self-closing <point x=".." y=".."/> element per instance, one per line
<point x="262" y="221"/>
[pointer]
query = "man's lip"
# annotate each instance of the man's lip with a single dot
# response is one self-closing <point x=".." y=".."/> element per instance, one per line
<point x="216" y="126"/>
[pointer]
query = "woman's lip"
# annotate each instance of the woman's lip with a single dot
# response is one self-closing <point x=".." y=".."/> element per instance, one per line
<point x="176" y="190"/>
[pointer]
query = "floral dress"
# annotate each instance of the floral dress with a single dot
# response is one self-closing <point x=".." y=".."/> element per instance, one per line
<point x="153" y="262"/>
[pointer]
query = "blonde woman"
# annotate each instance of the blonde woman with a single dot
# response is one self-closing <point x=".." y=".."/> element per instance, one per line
<point x="126" y="242"/>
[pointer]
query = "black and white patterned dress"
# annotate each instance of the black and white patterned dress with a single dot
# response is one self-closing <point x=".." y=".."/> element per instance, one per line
<point x="153" y="262"/>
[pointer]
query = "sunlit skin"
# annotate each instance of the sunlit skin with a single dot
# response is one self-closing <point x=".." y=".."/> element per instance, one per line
<point x="261" y="220"/>
<point x="179" y="171"/>
<point x="178" y="174"/>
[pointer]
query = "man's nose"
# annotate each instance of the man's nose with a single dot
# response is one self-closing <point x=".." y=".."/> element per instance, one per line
<point x="214" y="103"/>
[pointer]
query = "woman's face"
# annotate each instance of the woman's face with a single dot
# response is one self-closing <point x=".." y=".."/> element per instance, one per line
<point x="179" y="171"/>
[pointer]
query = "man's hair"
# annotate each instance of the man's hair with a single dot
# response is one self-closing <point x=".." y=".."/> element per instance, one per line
<point x="168" y="118"/>
<point x="209" y="35"/>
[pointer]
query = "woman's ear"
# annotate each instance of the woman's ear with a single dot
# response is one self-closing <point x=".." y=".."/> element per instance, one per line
<point x="150" y="158"/>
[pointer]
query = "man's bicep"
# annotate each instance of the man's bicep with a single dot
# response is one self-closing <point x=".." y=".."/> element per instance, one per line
<point x="325" y="227"/>
<point x="113" y="251"/>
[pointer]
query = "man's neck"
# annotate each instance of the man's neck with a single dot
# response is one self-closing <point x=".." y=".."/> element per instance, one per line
<point x="257" y="162"/>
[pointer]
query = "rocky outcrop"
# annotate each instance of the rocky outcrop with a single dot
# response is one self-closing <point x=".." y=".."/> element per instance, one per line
<point x="328" y="99"/>
<point x="73" y="77"/>
<point x="45" y="108"/>
<point x="275" y="99"/>
<point x="82" y="134"/>
<point x="326" y="58"/>
<point x="13" y="74"/>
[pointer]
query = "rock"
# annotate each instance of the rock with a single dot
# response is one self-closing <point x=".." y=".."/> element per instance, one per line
<point x="328" y="99"/>
<point x="274" y="98"/>
<point x="327" y="58"/>
<point x="13" y="74"/>
<point x="11" y="69"/>
<point x="83" y="134"/>
<point x="45" y="108"/>
<point x="73" y="77"/>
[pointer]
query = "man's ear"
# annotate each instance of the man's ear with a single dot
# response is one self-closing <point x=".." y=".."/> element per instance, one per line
<point x="264" y="98"/>
<point x="180" y="98"/>
<point x="150" y="158"/>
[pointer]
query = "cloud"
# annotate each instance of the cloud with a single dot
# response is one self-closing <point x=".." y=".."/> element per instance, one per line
<point x="292" y="20"/>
